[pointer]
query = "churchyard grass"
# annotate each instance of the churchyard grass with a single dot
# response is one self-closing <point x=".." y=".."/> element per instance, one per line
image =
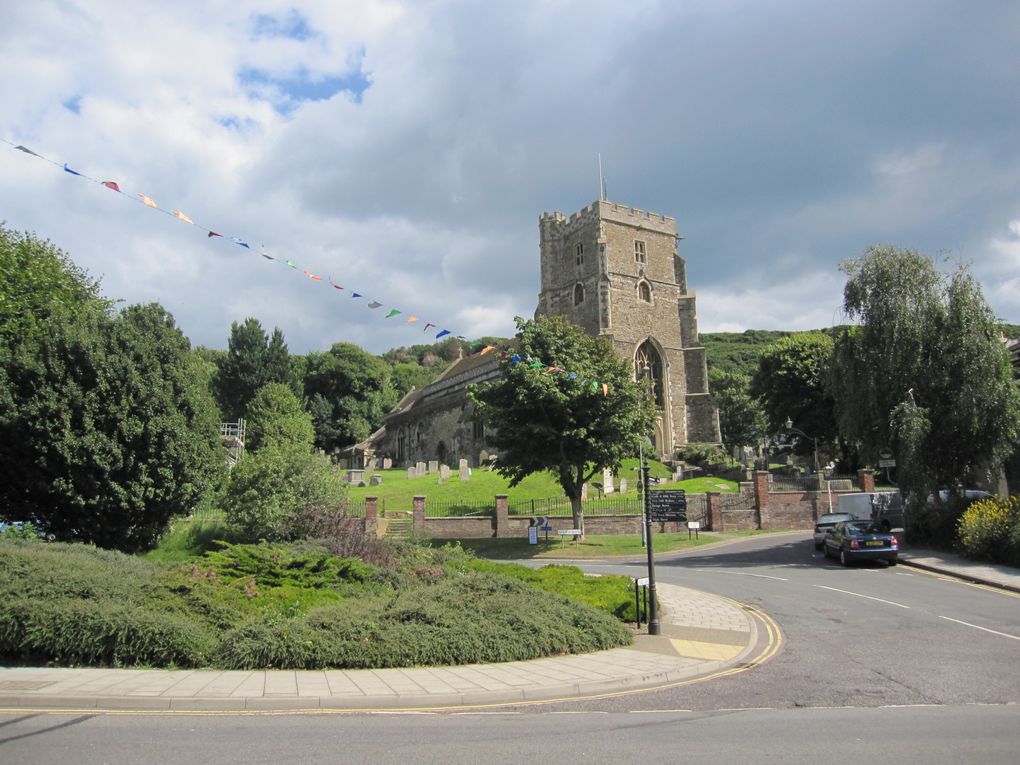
<point x="594" y="546"/>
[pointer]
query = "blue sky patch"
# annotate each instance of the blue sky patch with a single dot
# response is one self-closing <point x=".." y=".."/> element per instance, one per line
<point x="73" y="104"/>
<point x="287" y="93"/>
<point x="291" y="25"/>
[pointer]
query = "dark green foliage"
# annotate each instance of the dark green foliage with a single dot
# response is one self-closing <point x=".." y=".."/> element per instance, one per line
<point x="741" y="417"/>
<point x="253" y="360"/>
<point x="278" y="566"/>
<point x="574" y="428"/>
<point x="251" y="607"/>
<point x="924" y="374"/>
<point x="105" y="430"/>
<point x="792" y="381"/>
<point x="348" y="391"/>
<point x="275" y="416"/>
<point x="737" y="352"/>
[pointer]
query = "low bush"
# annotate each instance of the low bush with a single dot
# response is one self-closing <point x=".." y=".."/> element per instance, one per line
<point x="990" y="530"/>
<point x="291" y="606"/>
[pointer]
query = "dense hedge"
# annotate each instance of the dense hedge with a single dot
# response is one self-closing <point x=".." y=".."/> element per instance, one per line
<point x="990" y="530"/>
<point x="261" y="606"/>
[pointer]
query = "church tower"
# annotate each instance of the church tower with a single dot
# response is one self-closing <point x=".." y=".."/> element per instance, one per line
<point x="615" y="271"/>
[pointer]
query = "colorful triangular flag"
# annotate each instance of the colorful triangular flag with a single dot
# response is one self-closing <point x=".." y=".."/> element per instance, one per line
<point x="149" y="201"/>
<point x="335" y="285"/>
<point x="25" y="149"/>
<point x="427" y="326"/>
<point x="411" y="319"/>
<point x="69" y="170"/>
<point x="111" y="185"/>
<point x="374" y="304"/>
<point x="393" y="312"/>
<point x="213" y="233"/>
<point x="444" y="332"/>
<point x="183" y="217"/>
<point x="241" y="242"/>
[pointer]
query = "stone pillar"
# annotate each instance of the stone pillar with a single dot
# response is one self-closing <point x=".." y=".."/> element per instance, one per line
<point x="866" y="479"/>
<point x="761" y="495"/>
<point x="714" y="517"/>
<point x="371" y="517"/>
<point x="418" y="513"/>
<point x="502" y="516"/>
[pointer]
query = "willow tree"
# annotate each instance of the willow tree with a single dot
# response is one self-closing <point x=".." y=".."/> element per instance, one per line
<point x="924" y="372"/>
<point x="564" y="403"/>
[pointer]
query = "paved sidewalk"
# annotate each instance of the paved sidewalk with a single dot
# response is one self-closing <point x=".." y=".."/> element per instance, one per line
<point x="951" y="564"/>
<point x="701" y="635"/>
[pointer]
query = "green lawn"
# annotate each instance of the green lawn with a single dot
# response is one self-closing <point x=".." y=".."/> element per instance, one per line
<point x="397" y="489"/>
<point x="594" y="546"/>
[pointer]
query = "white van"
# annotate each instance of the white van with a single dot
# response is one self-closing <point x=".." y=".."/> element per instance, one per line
<point x="883" y="507"/>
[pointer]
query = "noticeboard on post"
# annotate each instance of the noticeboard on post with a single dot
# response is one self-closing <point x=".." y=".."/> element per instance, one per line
<point x="666" y="505"/>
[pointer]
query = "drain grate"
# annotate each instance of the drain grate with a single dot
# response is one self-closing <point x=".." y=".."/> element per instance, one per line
<point x="24" y="685"/>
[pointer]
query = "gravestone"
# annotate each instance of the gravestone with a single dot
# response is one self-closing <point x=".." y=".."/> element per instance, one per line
<point x="444" y="472"/>
<point x="584" y="492"/>
<point x="464" y="470"/>
<point x="375" y="480"/>
<point x="387" y="463"/>
<point x="433" y="467"/>
<point x="607" y="481"/>
<point x="411" y="473"/>
<point x="356" y="477"/>
<point x="420" y="468"/>
<point x="623" y="485"/>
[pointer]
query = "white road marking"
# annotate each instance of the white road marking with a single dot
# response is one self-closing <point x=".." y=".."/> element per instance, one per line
<point x="759" y="576"/>
<point x="847" y="592"/>
<point x="985" y="629"/>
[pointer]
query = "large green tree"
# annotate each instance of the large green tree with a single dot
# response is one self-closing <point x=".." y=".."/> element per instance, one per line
<point x="564" y="403"/>
<point x="276" y="416"/>
<point x="106" y="431"/>
<point x="253" y="359"/>
<point x="792" y="382"/>
<point x="348" y="392"/>
<point x="741" y="417"/>
<point x="924" y="373"/>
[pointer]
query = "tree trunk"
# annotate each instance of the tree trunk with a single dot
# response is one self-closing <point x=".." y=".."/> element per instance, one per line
<point x="578" y="513"/>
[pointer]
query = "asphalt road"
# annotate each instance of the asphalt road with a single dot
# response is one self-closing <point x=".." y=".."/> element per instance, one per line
<point x="876" y="663"/>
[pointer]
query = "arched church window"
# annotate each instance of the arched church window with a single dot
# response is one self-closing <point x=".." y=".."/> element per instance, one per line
<point x="419" y="435"/>
<point x="648" y="370"/>
<point x="578" y="294"/>
<point x="644" y="291"/>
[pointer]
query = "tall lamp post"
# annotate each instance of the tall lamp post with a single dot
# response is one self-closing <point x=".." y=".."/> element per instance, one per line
<point x="653" y="609"/>
<point x="789" y="427"/>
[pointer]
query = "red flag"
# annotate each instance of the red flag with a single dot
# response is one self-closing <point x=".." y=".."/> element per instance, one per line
<point x="213" y="233"/>
<point x="111" y="185"/>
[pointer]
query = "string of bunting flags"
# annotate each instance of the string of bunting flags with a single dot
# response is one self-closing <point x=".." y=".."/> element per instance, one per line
<point x="391" y="312"/>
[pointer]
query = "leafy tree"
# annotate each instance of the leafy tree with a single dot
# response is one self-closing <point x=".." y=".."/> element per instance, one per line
<point x="924" y="373"/>
<point x="276" y="416"/>
<point x="407" y="376"/>
<point x="552" y="420"/>
<point x="792" y="382"/>
<point x="105" y="431"/>
<point x="348" y="391"/>
<point x="738" y="352"/>
<point x="253" y="359"/>
<point x="38" y="280"/>
<point x="272" y="490"/>
<point x="741" y="417"/>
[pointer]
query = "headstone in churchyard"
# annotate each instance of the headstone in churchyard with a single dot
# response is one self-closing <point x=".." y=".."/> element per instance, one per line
<point x="387" y="463"/>
<point x="444" y="472"/>
<point x="584" y="491"/>
<point x="375" y="480"/>
<point x="623" y="485"/>
<point x="607" y="481"/>
<point x="412" y="472"/>
<point x="465" y="471"/>
<point x="420" y="468"/>
<point x="355" y="477"/>
<point x="433" y="467"/>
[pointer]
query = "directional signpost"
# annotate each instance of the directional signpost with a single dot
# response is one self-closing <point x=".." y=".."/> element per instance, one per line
<point x="665" y="505"/>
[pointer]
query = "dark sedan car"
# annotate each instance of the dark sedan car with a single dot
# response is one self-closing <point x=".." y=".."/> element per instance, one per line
<point x="852" y="541"/>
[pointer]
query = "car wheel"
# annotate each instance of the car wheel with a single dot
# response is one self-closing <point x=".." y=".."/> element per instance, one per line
<point x="843" y="561"/>
<point x="825" y="550"/>
<point x="892" y="562"/>
<point x="818" y="546"/>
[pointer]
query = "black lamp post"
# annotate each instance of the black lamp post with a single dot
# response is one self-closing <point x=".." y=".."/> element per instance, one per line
<point x="789" y="427"/>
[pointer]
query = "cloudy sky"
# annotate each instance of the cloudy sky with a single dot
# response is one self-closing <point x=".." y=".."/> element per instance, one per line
<point x="406" y="150"/>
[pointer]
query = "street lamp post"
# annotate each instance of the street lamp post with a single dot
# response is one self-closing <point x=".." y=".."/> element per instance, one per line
<point x="789" y="427"/>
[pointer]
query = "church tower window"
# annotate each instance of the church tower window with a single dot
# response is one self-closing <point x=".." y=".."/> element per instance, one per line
<point x="648" y="371"/>
<point x="639" y="252"/>
<point x="579" y="253"/>
<point x="578" y="294"/>
<point x="644" y="291"/>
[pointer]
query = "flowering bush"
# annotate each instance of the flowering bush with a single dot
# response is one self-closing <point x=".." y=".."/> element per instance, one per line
<point x="990" y="529"/>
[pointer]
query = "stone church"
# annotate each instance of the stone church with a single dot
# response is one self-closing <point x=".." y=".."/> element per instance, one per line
<point x="615" y="271"/>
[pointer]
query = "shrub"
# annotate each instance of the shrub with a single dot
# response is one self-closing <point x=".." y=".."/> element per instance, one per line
<point x="702" y="454"/>
<point x="990" y="529"/>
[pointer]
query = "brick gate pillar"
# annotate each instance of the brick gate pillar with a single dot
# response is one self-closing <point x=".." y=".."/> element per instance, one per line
<point x="714" y="514"/>
<point x="501" y="518"/>
<point x="418" y="515"/>
<point x="761" y="495"/>
<point x="371" y="517"/>
<point x="867" y="480"/>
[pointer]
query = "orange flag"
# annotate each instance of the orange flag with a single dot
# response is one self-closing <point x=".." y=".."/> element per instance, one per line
<point x="183" y="217"/>
<point x="148" y="201"/>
